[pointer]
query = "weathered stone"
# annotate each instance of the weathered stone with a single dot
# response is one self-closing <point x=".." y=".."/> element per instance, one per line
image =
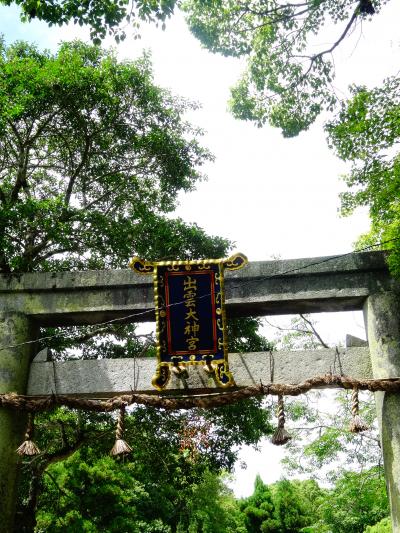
<point x="14" y="369"/>
<point x="261" y="288"/>
<point x="352" y="341"/>
<point x="382" y="313"/>
<point x="109" y="377"/>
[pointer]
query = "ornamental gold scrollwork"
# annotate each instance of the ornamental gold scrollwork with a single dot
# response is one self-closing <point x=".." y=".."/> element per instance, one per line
<point x="163" y="325"/>
<point x="223" y="376"/>
<point x="203" y="266"/>
<point x="161" y="377"/>
<point x="140" y="266"/>
<point x="235" y="262"/>
<point x="173" y="268"/>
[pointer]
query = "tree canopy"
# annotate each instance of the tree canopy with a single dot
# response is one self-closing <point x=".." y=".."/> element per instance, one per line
<point x="96" y="152"/>
<point x="366" y="133"/>
<point x="288" y="77"/>
<point x="102" y="16"/>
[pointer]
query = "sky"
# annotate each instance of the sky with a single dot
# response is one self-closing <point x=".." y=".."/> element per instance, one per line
<point x="273" y="197"/>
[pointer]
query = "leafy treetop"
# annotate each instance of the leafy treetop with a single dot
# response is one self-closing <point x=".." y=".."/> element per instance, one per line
<point x="102" y="16"/>
<point x="92" y="154"/>
<point x="366" y="133"/>
<point x="288" y="77"/>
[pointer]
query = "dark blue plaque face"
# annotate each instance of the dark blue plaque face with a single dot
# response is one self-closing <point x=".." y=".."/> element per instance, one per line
<point x="191" y="325"/>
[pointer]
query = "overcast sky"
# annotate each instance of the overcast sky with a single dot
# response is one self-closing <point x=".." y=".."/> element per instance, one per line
<point x="271" y="196"/>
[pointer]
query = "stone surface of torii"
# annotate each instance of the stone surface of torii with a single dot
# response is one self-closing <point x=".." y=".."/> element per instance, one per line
<point x="351" y="282"/>
<point x="113" y="377"/>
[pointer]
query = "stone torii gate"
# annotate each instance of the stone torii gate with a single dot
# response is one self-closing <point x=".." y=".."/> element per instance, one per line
<point x="352" y="282"/>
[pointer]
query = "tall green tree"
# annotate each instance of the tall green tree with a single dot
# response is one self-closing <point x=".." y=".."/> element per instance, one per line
<point x="290" y="509"/>
<point x="92" y="157"/>
<point x="96" y="152"/>
<point x="357" y="500"/>
<point x="99" y="188"/>
<point x="177" y="492"/>
<point x="259" y="509"/>
<point x="383" y="526"/>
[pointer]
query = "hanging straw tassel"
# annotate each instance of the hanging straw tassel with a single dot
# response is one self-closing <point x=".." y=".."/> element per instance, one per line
<point x="281" y="436"/>
<point x="357" y="424"/>
<point x="120" y="447"/>
<point x="28" y="447"/>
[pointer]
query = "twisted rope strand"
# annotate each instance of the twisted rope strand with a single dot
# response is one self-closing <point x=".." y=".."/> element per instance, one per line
<point x="281" y="412"/>
<point x="34" y="403"/>
<point x="357" y="424"/>
<point x="120" y="446"/>
<point x="281" y="436"/>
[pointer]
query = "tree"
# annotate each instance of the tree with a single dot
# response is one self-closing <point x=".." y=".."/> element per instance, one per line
<point x="287" y="81"/>
<point x="95" y="495"/>
<point x="259" y="509"/>
<point x="102" y="16"/>
<point x="96" y="152"/>
<point x="177" y="492"/>
<point x="324" y="449"/>
<point x="357" y="501"/>
<point x="384" y="526"/>
<point x="366" y="134"/>
<point x="290" y="509"/>
<point x="283" y="507"/>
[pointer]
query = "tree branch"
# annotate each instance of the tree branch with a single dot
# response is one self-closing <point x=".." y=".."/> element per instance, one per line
<point x="315" y="332"/>
<point x="77" y="170"/>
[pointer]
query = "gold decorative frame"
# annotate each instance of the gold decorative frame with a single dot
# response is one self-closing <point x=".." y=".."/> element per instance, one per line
<point x="214" y="361"/>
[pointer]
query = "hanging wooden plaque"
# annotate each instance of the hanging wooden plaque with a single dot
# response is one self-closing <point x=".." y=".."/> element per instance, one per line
<point x="189" y="301"/>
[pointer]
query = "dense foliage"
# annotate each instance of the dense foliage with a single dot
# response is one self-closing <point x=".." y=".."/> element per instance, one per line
<point x="168" y="483"/>
<point x="366" y="133"/>
<point x="102" y="16"/>
<point x="288" y="79"/>
<point x="95" y="151"/>
<point x="355" y="502"/>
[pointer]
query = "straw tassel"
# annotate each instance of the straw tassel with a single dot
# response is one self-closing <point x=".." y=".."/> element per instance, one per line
<point x="357" y="424"/>
<point x="120" y="447"/>
<point x="281" y="436"/>
<point x="28" y="447"/>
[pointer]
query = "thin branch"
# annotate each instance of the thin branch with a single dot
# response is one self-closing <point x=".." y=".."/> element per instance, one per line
<point x="315" y="332"/>
<point x="62" y="491"/>
<point x="280" y="328"/>
<point x="77" y="170"/>
<point x="315" y="57"/>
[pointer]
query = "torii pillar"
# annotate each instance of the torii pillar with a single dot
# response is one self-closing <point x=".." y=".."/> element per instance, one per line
<point x="382" y="314"/>
<point x="15" y="328"/>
